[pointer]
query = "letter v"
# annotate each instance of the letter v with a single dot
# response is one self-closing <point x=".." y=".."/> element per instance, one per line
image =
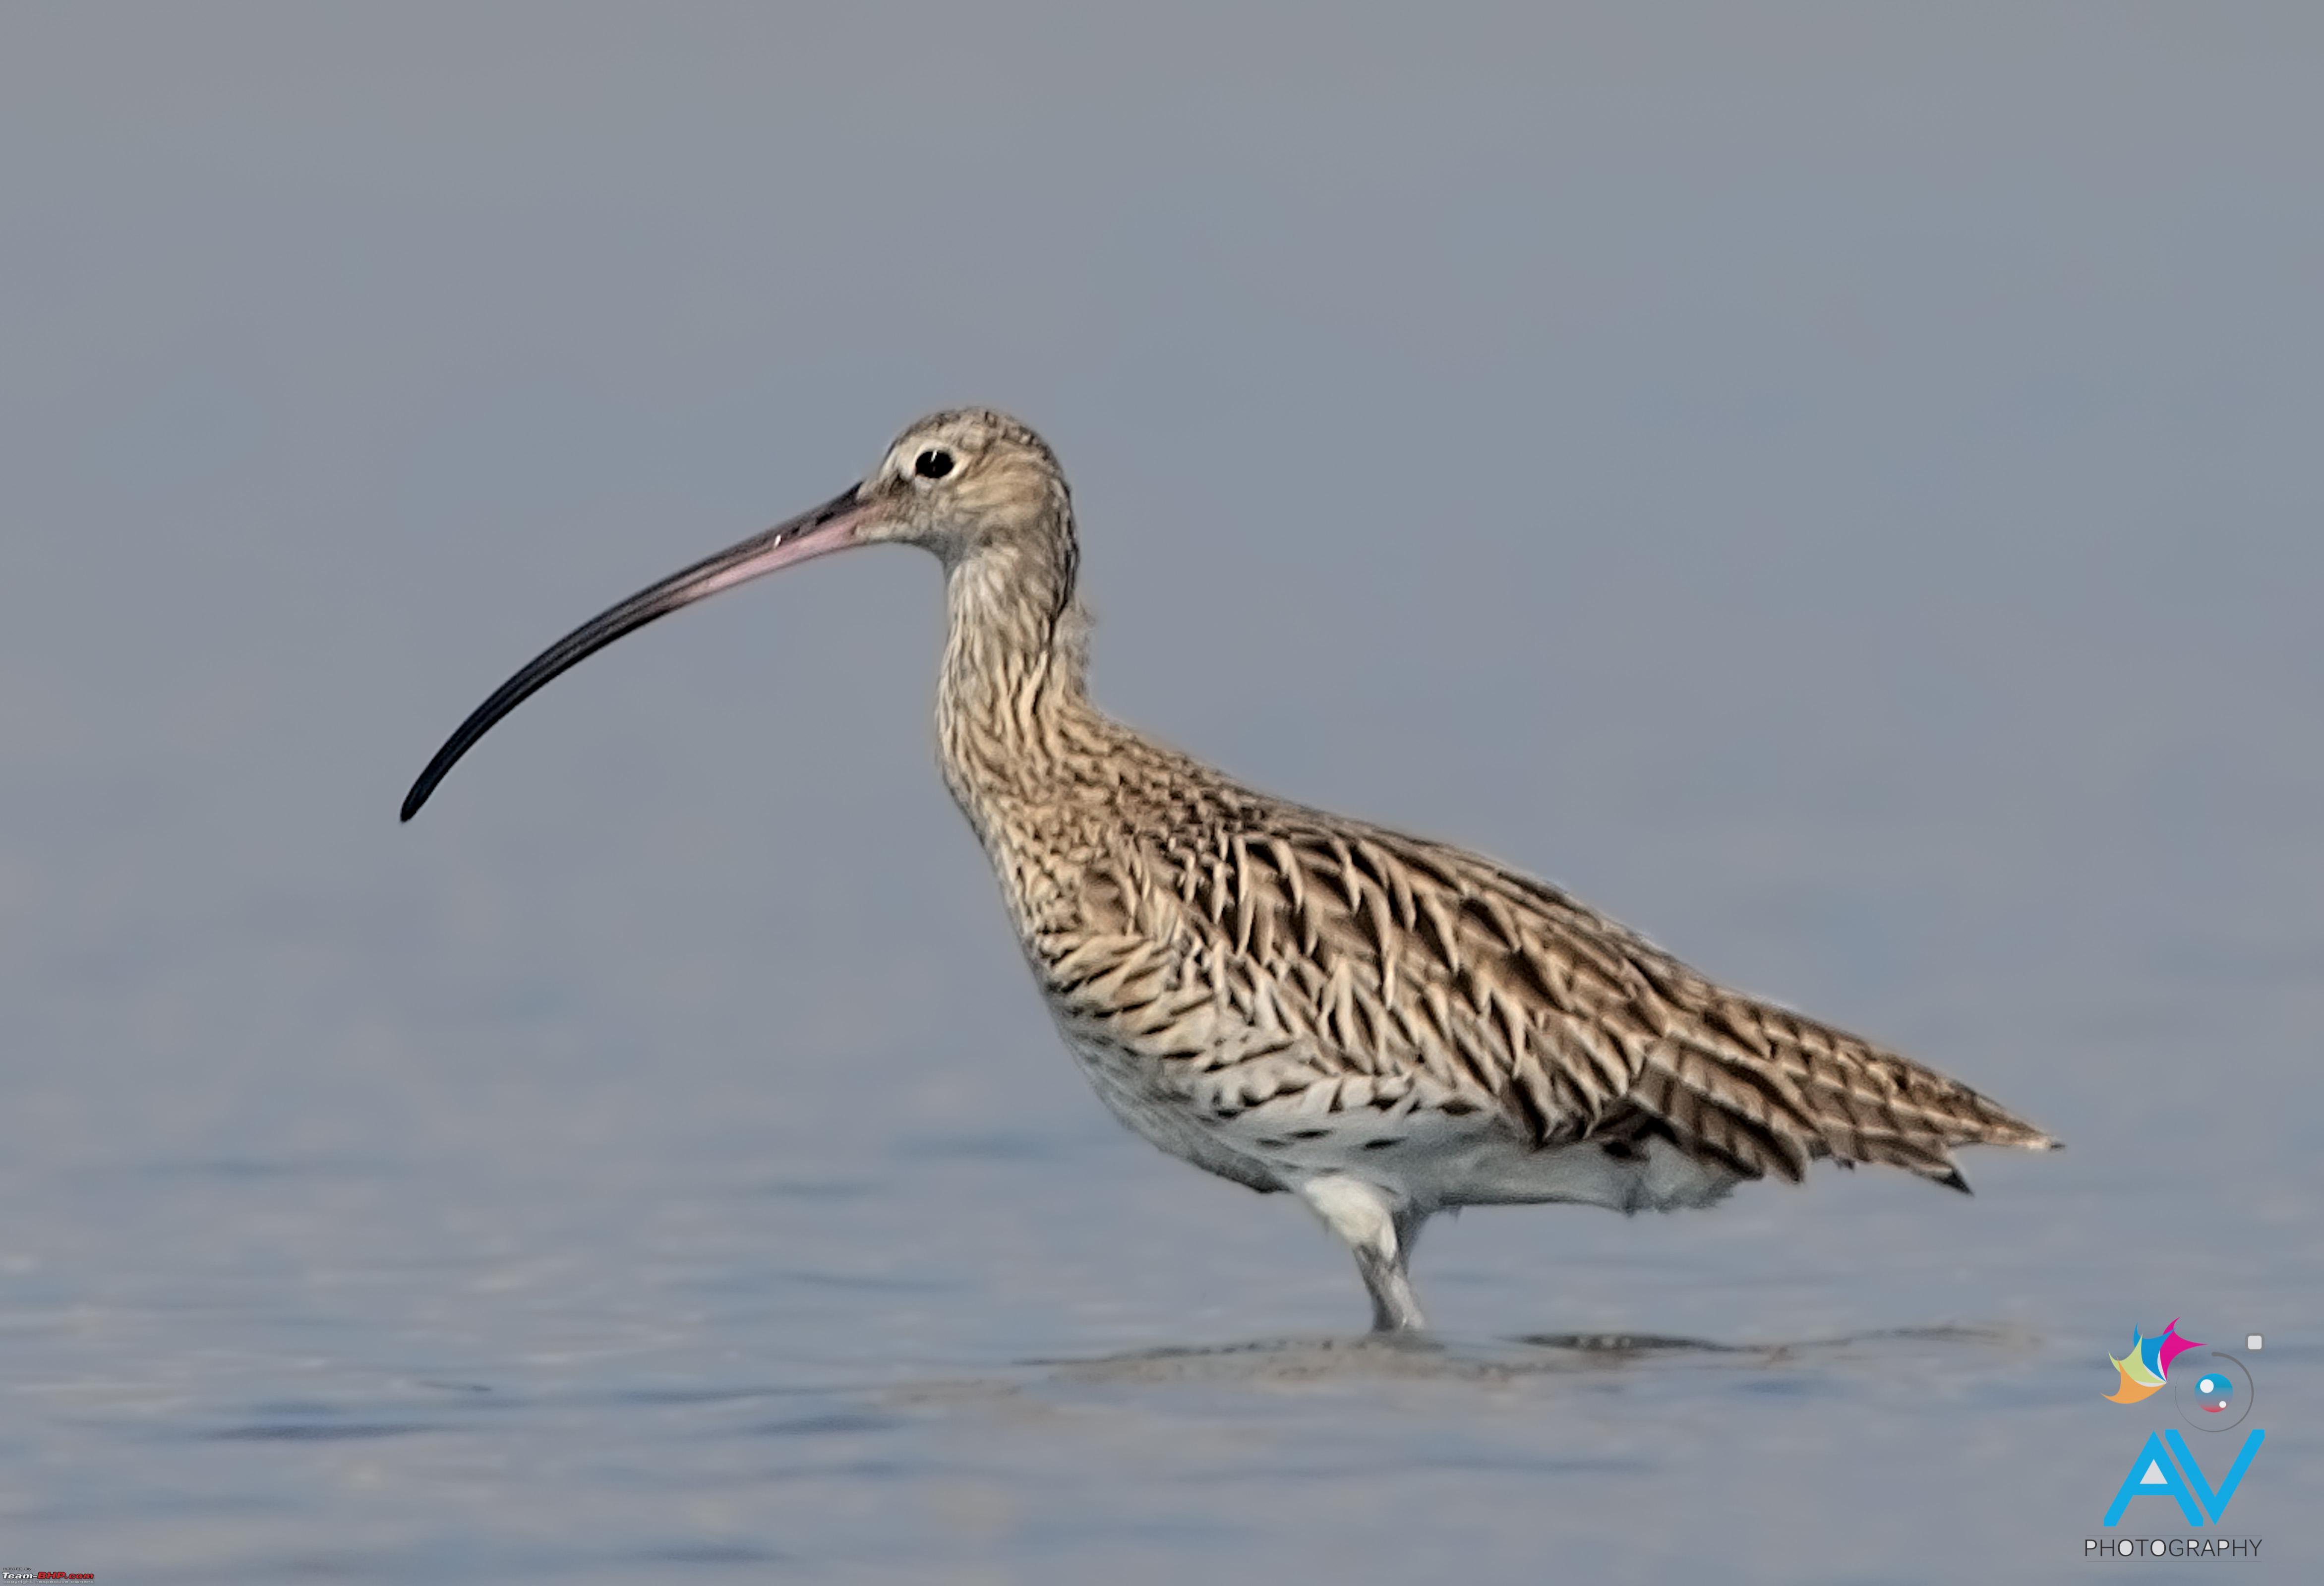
<point x="2214" y="1503"/>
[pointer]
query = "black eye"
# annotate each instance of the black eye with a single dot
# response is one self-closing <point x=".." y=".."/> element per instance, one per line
<point x="932" y="464"/>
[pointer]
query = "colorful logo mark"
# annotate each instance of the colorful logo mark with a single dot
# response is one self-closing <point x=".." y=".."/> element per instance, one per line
<point x="2215" y="1394"/>
<point x="2147" y="1366"/>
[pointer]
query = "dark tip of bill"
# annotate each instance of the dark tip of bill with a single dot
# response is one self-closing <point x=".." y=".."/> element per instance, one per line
<point x="416" y="798"/>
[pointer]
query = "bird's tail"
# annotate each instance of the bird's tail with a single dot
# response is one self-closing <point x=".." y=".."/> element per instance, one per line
<point x="1769" y="1091"/>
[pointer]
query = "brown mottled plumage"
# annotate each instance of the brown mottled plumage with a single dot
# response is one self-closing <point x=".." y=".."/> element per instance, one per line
<point x="1292" y="1000"/>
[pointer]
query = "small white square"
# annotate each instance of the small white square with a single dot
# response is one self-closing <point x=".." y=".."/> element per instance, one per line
<point x="2252" y="1343"/>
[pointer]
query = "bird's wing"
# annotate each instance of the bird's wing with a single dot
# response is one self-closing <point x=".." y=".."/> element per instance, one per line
<point x="1399" y="955"/>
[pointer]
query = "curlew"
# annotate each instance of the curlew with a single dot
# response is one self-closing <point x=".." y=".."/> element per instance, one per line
<point x="1383" y="1026"/>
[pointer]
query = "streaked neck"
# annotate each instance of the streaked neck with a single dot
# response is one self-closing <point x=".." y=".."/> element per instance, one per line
<point x="1012" y="689"/>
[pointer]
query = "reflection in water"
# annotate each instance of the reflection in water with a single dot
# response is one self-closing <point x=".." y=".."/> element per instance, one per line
<point x="1385" y="1356"/>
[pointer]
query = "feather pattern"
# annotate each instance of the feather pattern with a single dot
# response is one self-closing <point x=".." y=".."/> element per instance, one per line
<point x="1284" y="996"/>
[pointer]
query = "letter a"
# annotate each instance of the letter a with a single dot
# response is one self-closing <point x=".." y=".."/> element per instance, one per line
<point x="2153" y="1475"/>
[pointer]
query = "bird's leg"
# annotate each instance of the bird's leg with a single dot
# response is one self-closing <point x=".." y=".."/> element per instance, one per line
<point x="1380" y="1230"/>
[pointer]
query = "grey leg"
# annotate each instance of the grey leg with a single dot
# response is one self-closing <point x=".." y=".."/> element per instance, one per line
<point x="1379" y="1231"/>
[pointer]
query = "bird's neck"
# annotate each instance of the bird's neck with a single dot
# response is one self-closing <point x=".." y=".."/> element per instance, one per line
<point x="1014" y="723"/>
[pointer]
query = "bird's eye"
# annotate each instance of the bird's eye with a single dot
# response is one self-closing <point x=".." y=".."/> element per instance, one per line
<point x="933" y="464"/>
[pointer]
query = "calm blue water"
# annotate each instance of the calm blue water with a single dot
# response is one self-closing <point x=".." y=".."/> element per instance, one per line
<point x="1836" y="493"/>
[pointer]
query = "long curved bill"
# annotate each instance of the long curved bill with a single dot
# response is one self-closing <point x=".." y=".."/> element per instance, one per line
<point x="830" y="527"/>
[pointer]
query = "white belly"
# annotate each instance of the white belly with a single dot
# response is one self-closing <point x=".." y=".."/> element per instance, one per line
<point x="1135" y="1090"/>
<point x="1275" y="1124"/>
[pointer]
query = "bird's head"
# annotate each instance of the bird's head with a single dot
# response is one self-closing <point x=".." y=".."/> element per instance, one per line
<point x="963" y="483"/>
<point x="971" y="485"/>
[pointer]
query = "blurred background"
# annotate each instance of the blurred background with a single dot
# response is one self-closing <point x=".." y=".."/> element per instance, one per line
<point x="1835" y="487"/>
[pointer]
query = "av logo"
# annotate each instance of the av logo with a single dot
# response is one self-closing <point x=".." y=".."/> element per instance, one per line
<point x="2214" y="1395"/>
<point x="2173" y="1473"/>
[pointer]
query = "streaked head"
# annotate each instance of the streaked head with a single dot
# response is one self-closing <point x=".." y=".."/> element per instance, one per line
<point x="963" y="484"/>
<point x="960" y="482"/>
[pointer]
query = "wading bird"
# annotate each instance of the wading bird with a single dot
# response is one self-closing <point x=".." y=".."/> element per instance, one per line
<point x="1383" y="1026"/>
